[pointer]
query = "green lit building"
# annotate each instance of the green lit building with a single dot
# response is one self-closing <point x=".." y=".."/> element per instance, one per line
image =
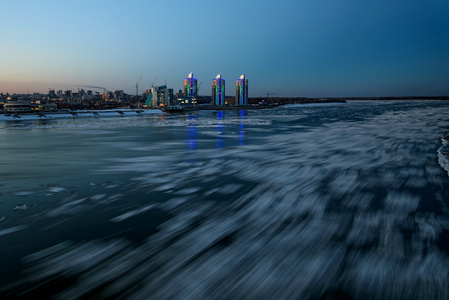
<point x="241" y="91"/>
<point x="190" y="86"/>
<point x="218" y="91"/>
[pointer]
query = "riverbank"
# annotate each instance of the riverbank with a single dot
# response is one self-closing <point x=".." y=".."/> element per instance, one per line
<point x="235" y="107"/>
<point x="5" y="116"/>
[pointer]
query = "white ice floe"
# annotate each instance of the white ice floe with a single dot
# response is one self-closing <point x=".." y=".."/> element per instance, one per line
<point x="69" y="208"/>
<point x="132" y="213"/>
<point x="443" y="155"/>
<point x="188" y="191"/>
<point x="23" y="193"/>
<point x="97" y="197"/>
<point x="21" y="207"/>
<point x="56" y="189"/>
<point x="12" y="229"/>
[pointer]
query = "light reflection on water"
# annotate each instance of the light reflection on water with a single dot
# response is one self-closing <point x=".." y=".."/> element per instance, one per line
<point x="303" y="202"/>
<point x="220" y="141"/>
<point x="192" y="132"/>
<point x="242" y="127"/>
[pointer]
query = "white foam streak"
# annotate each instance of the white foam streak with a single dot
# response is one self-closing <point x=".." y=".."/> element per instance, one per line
<point x="132" y="213"/>
<point x="12" y="229"/>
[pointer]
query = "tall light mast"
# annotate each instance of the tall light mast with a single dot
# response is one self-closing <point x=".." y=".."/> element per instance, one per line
<point x="137" y="86"/>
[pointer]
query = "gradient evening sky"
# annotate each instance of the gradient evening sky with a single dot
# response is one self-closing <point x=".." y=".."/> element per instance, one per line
<point x="289" y="47"/>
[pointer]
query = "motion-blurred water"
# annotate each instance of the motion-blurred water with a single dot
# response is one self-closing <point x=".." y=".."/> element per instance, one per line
<point x="338" y="201"/>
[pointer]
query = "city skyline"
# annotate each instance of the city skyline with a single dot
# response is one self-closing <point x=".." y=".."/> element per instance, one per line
<point x="292" y="48"/>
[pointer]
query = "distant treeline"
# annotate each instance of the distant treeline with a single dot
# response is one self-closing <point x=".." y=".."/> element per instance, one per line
<point x="305" y="100"/>
<point x="293" y="100"/>
<point x="401" y="98"/>
<point x="301" y="100"/>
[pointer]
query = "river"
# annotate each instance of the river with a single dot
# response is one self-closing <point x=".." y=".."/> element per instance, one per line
<point x="330" y="201"/>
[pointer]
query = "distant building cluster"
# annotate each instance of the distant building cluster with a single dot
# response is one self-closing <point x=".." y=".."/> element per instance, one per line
<point x="66" y="99"/>
<point x="156" y="96"/>
<point x="188" y="96"/>
<point x="81" y="95"/>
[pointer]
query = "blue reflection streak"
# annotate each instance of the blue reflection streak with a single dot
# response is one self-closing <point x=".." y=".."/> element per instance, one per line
<point x="242" y="126"/>
<point x="220" y="143"/>
<point x="191" y="132"/>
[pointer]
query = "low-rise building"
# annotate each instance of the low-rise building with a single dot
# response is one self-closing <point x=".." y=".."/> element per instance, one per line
<point x="18" y="106"/>
<point x="24" y="106"/>
<point x="44" y="106"/>
<point x="186" y="101"/>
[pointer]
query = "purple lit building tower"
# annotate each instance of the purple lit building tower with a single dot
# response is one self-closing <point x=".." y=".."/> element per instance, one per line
<point x="218" y="90"/>
<point x="241" y="91"/>
<point x="190" y="86"/>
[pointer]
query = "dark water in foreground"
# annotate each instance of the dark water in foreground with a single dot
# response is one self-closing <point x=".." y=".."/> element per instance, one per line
<point x="343" y="201"/>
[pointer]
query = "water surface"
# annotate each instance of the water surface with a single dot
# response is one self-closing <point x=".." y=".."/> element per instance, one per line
<point x="307" y="201"/>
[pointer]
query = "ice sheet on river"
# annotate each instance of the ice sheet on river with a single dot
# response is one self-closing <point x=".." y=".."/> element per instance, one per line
<point x="354" y="207"/>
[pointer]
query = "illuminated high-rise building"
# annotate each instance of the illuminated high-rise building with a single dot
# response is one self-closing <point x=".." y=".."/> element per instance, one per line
<point x="159" y="96"/>
<point x="190" y="86"/>
<point x="218" y="90"/>
<point x="241" y="91"/>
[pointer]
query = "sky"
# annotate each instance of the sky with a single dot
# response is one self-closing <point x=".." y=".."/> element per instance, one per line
<point x="294" y="48"/>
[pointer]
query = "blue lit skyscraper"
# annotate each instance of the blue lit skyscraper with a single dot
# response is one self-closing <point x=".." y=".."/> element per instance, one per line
<point x="190" y="86"/>
<point x="218" y="90"/>
<point x="241" y="91"/>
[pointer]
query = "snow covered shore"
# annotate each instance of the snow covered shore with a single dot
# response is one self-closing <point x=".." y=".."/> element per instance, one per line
<point x="77" y="114"/>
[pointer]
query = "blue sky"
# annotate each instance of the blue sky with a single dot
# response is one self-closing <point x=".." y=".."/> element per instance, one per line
<point x="289" y="47"/>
